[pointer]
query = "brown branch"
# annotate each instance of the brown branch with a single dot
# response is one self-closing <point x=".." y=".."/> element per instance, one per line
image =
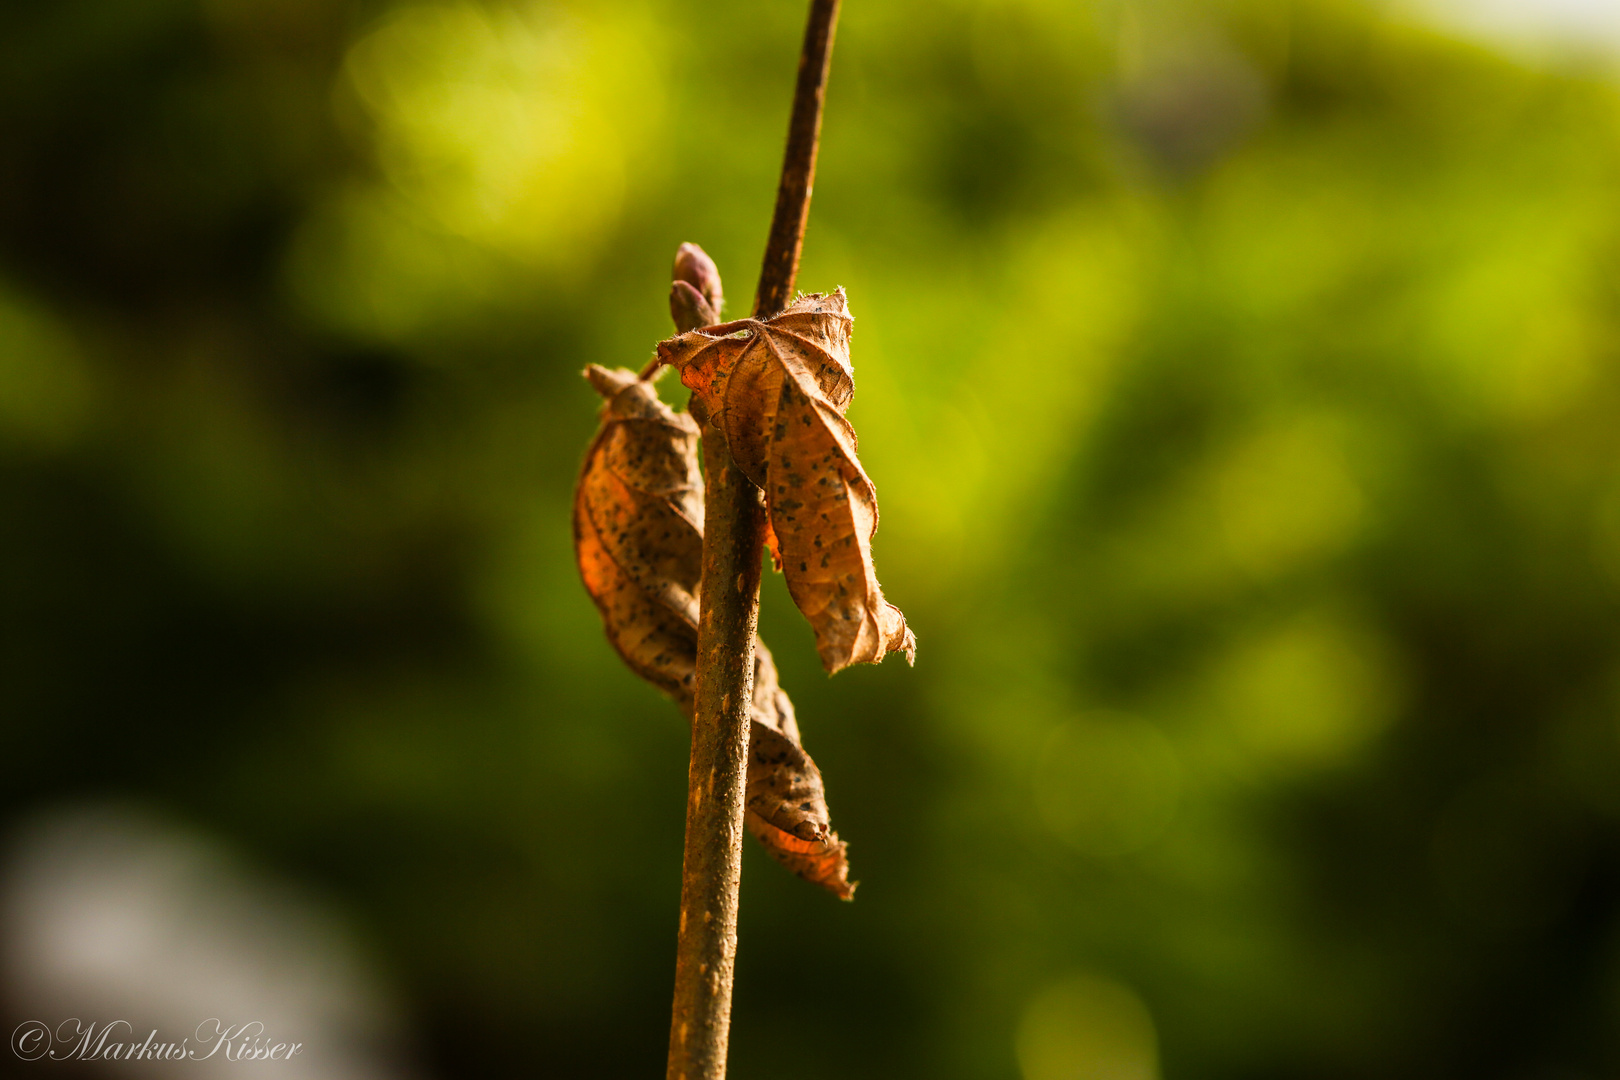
<point x="707" y="947"/>
<point x="798" y="164"/>
<point x="733" y="539"/>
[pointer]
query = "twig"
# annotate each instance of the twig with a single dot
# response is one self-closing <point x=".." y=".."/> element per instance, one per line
<point x="798" y="164"/>
<point x="733" y="540"/>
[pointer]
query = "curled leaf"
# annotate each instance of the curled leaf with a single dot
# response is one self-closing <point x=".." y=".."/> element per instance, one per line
<point x="776" y="390"/>
<point x="638" y="538"/>
<point x="786" y="805"/>
<point x="638" y="531"/>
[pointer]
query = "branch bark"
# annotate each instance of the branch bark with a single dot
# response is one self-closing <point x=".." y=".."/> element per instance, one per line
<point x="781" y="264"/>
<point x="733" y="542"/>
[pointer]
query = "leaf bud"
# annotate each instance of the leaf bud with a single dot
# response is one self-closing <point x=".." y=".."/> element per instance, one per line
<point x="693" y="266"/>
<point x="688" y="308"/>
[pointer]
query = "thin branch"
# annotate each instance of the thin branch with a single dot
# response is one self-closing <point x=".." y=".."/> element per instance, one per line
<point x="733" y="540"/>
<point x="798" y="164"/>
<point x="707" y="947"/>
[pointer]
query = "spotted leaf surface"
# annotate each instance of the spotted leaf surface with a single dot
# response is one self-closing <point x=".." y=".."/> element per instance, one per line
<point x="638" y="539"/>
<point x="776" y="390"/>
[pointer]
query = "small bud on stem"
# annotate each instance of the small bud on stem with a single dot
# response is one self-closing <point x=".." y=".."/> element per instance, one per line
<point x="689" y="309"/>
<point x="693" y="266"/>
<point x="694" y="297"/>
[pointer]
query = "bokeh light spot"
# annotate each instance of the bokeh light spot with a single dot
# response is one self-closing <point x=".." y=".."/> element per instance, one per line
<point x="1087" y="1027"/>
<point x="1309" y="692"/>
<point x="44" y="389"/>
<point x="503" y="123"/>
<point x="1288" y="497"/>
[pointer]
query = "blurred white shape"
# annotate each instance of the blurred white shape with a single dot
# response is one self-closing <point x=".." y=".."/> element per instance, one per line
<point x="108" y="914"/>
<point x="1087" y="1027"/>
<point x="1534" y="25"/>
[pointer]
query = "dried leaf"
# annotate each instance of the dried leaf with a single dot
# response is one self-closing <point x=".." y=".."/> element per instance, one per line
<point x="776" y="390"/>
<point x="786" y="805"/>
<point x="638" y="537"/>
<point x="638" y="531"/>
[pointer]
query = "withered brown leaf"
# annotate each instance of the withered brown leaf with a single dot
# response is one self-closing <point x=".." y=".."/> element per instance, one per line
<point x="638" y="530"/>
<point x="776" y="390"/>
<point x="638" y="539"/>
<point x="786" y="805"/>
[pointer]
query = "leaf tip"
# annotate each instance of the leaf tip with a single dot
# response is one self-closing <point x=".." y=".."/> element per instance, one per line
<point x="607" y="382"/>
<point x="907" y="640"/>
<point x="773" y="545"/>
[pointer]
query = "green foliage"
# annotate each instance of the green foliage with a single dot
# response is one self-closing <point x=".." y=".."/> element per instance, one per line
<point x="1240" y="381"/>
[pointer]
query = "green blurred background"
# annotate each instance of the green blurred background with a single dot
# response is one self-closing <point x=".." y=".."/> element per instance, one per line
<point x="1241" y="382"/>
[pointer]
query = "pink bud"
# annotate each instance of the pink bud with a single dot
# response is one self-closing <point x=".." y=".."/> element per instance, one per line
<point x="688" y="308"/>
<point x="693" y="265"/>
